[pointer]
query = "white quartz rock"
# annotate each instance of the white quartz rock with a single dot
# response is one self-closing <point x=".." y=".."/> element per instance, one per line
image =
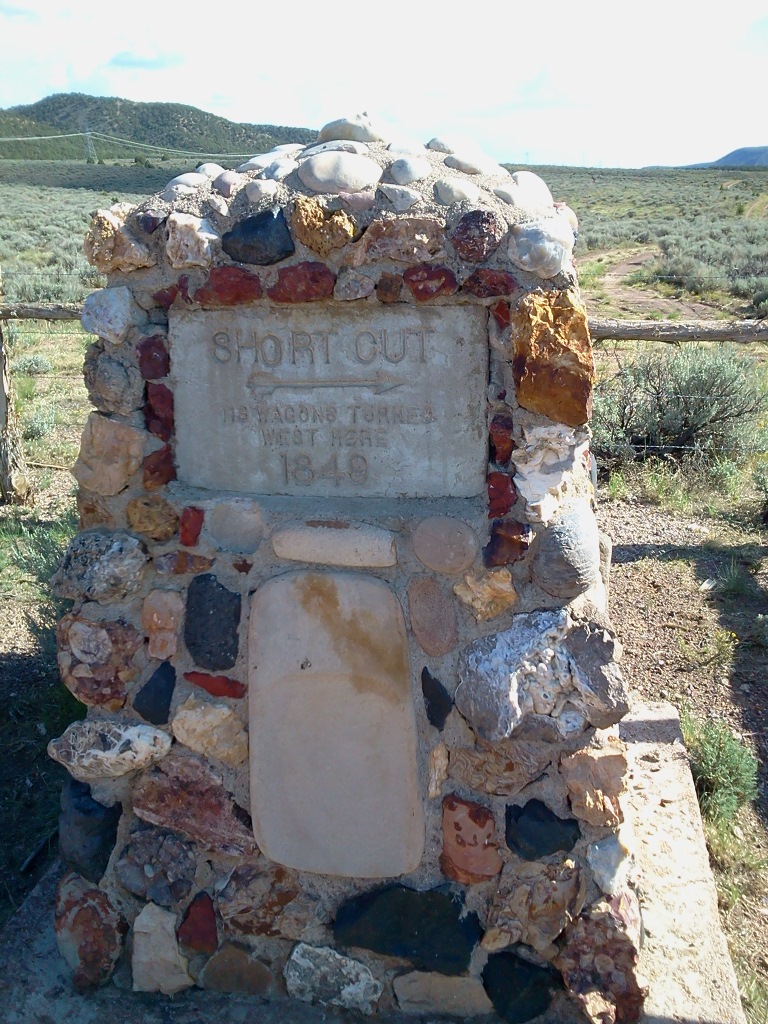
<point x="533" y="186"/>
<point x="548" y="464"/>
<point x="336" y="172"/>
<point x="544" y="248"/>
<point x="189" y="240"/>
<point x="337" y="146"/>
<point x="402" y="198"/>
<point x="611" y="861"/>
<point x="111" y="313"/>
<point x="210" y="170"/>
<point x="321" y="975"/>
<point x="409" y="168"/>
<point x="280" y="168"/>
<point x="260" y="189"/>
<point x="157" y="963"/>
<point x="94" y="749"/>
<point x="258" y="162"/>
<point x="456" y="190"/>
<point x="183" y="185"/>
<point x="357" y="128"/>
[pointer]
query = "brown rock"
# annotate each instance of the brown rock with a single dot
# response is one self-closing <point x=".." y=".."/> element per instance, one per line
<point x="421" y="992"/>
<point x="153" y="357"/>
<point x="158" y="411"/>
<point x="509" y="542"/>
<point x="217" y="686"/>
<point x="553" y="366"/>
<point x="469" y="852"/>
<point x="179" y="563"/>
<point x="428" y="282"/>
<point x="503" y="769"/>
<point x="191" y="524"/>
<point x="153" y="516"/>
<point x="438" y="770"/>
<point x="93" y="510"/>
<point x="502" y="494"/>
<point x="405" y="239"/>
<point x="433" y="616"/>
<point x="597" y="779"/>
<point x="502" y="314"/>
<point x="228" y="286"/>
<point x="533" y="904"/>
<point x="114" y="385"/>
<point x="97" y="660"/>
<point x="234" y="969"/>
<point x="485" y="283"/>
<point x="109" y="246"/>
<point x="303" y="282"/>
<point x="319" y="229"/>
<point x="502" y="444"/>
<point x="89" y="931"/>
<point x="262" y="898"/>
<point x="110" y="453"/>
<point x="445" y="544"/>
<point x="160" y="616"/>
<point x="477" y="235"/>
<point x="159" y="468"/>
<point x="186" y="796"/>
<point x="599" y="961"/>
<point x="197" y="931"/>
<point x="488" y="594"/>
<point x="389" y="287"/>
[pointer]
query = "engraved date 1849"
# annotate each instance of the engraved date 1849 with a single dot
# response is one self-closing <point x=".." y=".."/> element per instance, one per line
<point x="301" y="468"/>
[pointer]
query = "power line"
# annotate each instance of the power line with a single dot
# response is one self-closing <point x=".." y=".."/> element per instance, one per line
<point x="104" y="137"/>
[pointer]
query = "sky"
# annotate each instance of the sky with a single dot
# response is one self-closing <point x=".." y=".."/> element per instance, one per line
<point x="593" y="83"/>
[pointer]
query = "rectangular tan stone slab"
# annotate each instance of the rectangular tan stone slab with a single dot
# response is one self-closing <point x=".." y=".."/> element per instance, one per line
<point x="332" y="401"/>
<point x="334" y="778"/>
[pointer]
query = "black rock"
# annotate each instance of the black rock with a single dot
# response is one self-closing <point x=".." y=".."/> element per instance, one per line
<point x="533" y="831"/>
<point x="211" y="623"/>
<point x="153" y="700"/>
<point x="437" y="700"/>
<point x="262" y="239"/>
<point x="422" y="927"/>
<point x="87" y="830"/>
<point x="519" y="990"/>
<point x="150" y="220"/>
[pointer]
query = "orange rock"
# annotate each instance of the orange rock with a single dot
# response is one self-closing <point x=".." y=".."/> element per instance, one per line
<point x="469" y="847"/>
<point x="110" y="453"/>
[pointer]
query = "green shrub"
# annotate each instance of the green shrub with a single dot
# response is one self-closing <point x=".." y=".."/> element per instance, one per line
<point x="38" y="422"/>
<point x="724" y="769"/>
<point x="31" y="365"/>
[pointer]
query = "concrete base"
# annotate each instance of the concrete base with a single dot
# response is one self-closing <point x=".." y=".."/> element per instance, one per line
<point x="685" y="957"/>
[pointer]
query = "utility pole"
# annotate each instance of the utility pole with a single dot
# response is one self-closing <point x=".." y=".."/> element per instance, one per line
<point x="14" y="477"/>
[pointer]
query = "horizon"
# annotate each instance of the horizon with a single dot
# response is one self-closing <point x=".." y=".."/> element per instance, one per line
<point x="578" y="89"/>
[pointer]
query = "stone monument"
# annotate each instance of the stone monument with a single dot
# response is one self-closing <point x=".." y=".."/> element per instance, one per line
<point x="339" y="618"/>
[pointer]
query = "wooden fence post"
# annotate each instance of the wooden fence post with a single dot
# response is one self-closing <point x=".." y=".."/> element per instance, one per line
<point x="14" y="478"/>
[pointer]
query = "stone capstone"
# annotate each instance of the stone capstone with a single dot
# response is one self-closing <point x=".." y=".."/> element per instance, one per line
<point x="599" y="960"/>
<point x="408" y="168"/>
<point x="157" y="866"/>
<point x="503" y="769"/>
<point x="153" y="516"/>
<point x="261" y="898"/>
<point x="111" y="313"/>
<point x="433" y="616"/>
<point x="87" y="830"/>
<point x="566" y="561"/>
<point x="153" y="700"/>
<point x="198" y="932"/>
<point x="211" y="623"/>
<point x="96" y="749"/>
<point x="109" y="245"/>
<point x="438" y="703"/>
<point x="533" y="904"/>
<point x="596" y="778"/>
<point x="470" y="853"/>
<point x="404" y="239"/>
<point x="445" y="545"/>
<point x="487" y="594"/>
<point x="113" y="386"/>
<point x="262" y="239"/>
<point x="518" y="989"/>
<point x="211" y="729"/>
<point x="321" y="975"/>
<point x="235" y="969"/>
<point x="425" y="993"/>
<point x="157" y="963"/>
<point x="552" y="363"/>
<point x="97" y="660"/>
<point x="533" y="831"/>
<point x="110" y="453"/>
<point x="90" y="931"/>
<point x="100" y="565"/>
<point x="336" y="172"/>
<point x="160" y="616"/>
<point x="186" y="796"/>
<point x="319" y="229"/>
<point x="189" y="240"/>
<point x="429" y="929"/>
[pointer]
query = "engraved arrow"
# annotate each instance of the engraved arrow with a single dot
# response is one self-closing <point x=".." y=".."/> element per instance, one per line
<point x="267" y="383"/>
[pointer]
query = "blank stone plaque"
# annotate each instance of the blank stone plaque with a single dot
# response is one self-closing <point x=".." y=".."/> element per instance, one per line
<point x="332" y="401"/>
<point x="334" y="779"/>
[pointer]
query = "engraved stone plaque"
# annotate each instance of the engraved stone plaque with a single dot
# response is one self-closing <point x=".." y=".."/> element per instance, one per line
<point x="332" y="401"/>
<point x="334" y="778"/>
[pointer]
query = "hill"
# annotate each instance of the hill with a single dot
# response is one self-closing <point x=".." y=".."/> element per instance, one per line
<point x="749" y="156"/>
<point x="172" y="126"/>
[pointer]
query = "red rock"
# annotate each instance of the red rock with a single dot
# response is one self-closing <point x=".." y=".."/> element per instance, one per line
<point x="154" y="360"/>
<point x="501" y="314"/>
<point x="177" y="563"/>
<point x="303" y="282"/>
<point x="509" y="542"/>
<point x="477" y="235"/>
<point x="97" y="660"/>
<point x="502" y="494"/>
<point x="190" y="525"/>
<point x="427" y="282"/>
<point x="433" y="616"/>
<point x="90" y="931"/>
<point x="389" y="288"/>
<point x="502" y="444"/>
<point x="166" y="296"/>
<point x="197" y="931"/>
<point x="469" y="852"/>
<point x="217" y="686"/>
<point x="159" y="468"/>
<point x="242" y="565"/>
<point x="485" y="283"/>
<point x="262" y="898"/>
<point x="228" y="286"/>
<point x="158" y="411"/>
<point x="185" y="795"/>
